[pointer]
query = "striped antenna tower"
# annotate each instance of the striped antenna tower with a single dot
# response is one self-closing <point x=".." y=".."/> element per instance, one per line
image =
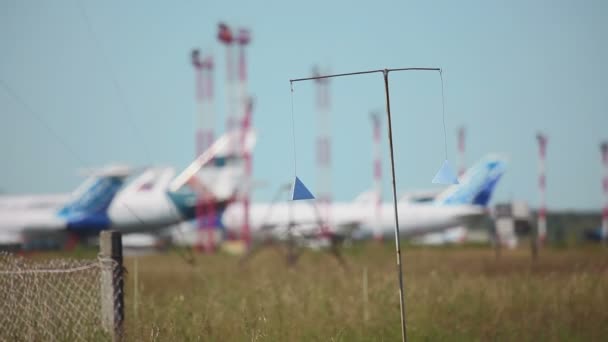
<point x="604" y="148"/>
<point x="246" y="110"/>
<point x="542" y="186"/>
<point x="323" y="150"/>
<point x="205" y="207"/>
<point x="377" y="167"/>
<point x="461" y="147"/>
<point x="200" y="99"/>
<point x="226" y="37"/>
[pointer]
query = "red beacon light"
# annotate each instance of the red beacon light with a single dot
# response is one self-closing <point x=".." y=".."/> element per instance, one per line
<point x="196" y="59"/>
<point x="224" y="34"/>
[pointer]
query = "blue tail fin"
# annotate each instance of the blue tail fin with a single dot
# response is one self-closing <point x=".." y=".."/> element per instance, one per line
<point x="477" y="184"/>
<point x="87" y="209"/>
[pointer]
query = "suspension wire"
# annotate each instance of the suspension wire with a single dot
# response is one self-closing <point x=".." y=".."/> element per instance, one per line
<point x="126" y="108"/>
<point x="42" y="121"/>
<point x="445" y="135"/>
<point x="9" y="90"/>
<point x="46" y="125"/>
<point x="114" y="80"/>
<point x="293" y="133"/>
<point x="188" y="258"/>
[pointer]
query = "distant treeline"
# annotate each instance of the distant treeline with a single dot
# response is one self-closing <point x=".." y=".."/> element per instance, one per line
<point x="567" y="227"/>
<point x="563" y="227"/>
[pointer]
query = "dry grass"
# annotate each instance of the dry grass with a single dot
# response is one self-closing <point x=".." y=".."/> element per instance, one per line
<point x="452" y="294"/>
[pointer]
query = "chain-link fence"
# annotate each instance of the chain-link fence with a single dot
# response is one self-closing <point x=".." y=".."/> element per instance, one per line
<point x="59" y="299"/>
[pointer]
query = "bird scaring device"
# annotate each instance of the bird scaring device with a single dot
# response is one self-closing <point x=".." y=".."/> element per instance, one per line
<point x="445" y="175"/>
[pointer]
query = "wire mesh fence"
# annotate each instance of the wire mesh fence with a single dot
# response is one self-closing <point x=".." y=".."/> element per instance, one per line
<point x="58" y="299"/>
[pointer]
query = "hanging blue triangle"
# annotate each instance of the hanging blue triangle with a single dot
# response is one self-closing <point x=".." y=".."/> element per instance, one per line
<point x="445" y="175"/>
<point x="300" y="192"/>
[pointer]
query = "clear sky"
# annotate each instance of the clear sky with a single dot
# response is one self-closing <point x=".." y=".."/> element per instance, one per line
<point x="511" y="68"/>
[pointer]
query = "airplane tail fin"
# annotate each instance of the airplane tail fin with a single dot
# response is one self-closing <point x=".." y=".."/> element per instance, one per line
<point x="476" y="185"/>
<point x="89" y="202"/>
<point x="219" y="172"/>
<point x="215" y="178"/>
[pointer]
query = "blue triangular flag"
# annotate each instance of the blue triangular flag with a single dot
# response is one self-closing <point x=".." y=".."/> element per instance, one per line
<point x="300" y="192"/>
<point x="445" y="175"/>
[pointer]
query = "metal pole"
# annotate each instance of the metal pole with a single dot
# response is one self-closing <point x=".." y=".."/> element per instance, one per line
<point x="461" y="140"/>
<point x="323" y="152"/>
<point x="362" y="73"/>
<point x="209" y="201"/>
<point x="604" y="148"/>
<point x="110" y="250"/>
<point x="244" y="117"/>
<point x="542" y="186"/>
<point x="377" y="174"/>
<point x="201" y="145"/>
<point x="136" y="289"/>
<point x="365" y="296"/>
<point x="225" y="37"/>
<point x="390" y="140"/>
<point x="397" y="241"/>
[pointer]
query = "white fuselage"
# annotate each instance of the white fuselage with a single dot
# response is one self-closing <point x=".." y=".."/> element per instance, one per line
<point x="144" y="204"/>
<point x="144" y="213"/>
<point x="27" y="202"/>
<point x="14" y="224"/>
<point x="414" y="219"/>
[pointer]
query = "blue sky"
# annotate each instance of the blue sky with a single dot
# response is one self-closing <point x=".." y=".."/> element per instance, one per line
<point x="511" y="68"/>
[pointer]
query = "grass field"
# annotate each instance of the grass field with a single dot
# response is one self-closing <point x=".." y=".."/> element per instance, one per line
<point x="460" y="293"/>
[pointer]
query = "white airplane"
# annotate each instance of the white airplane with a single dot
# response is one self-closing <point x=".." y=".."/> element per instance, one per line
<point x="151" y="202"/>
<point x="24" y="218"/>
<point x="156" y="199"/>
<point x="458" y="205"/>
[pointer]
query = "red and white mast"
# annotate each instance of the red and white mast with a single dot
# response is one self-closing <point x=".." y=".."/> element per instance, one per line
<point x="225" y="37"/>
<point x="199" y="96"/>
<point x="323" y="152"/>
<point x="604" y="148"/>
<point x="246" y="110"/>
<point x="542" y="181"/>
<point x="461" y="147"/>
<point x="205" y="208"/>
<point x="377" y="167"/>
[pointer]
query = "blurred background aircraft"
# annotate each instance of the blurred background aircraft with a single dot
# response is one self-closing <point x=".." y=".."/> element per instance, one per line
<point x="458" y="205"/>
<point x="147" y="204"/>
<point x="328" y="123"/>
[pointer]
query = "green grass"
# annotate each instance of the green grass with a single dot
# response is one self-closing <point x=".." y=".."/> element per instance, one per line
<point x="451" y="294"/>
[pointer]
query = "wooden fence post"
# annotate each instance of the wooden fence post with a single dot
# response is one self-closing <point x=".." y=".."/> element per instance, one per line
<point x="112" y="283"/>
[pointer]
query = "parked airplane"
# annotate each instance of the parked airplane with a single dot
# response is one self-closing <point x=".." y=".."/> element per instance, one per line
<point x="459" y="204"/>
<point x="151" y="202"/>
<point x="213" y="179"/>
<point x="28" y="218"/>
